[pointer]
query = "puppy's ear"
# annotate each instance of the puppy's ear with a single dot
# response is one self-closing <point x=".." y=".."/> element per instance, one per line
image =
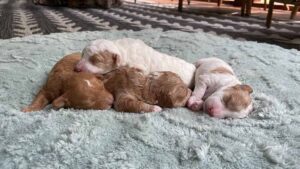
<point x="183" y="92"/>
<point x="59" y="102"/>
<point x="246" y="88"/>
<point x="116" y="59"/>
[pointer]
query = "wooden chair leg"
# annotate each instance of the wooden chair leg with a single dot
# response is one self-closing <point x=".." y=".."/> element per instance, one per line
<point x="286" y="7"/>
<point x="220" y="2"/>
<point x="180" y="5"/>
<point x="270" y="13"/>
<point x="243" y="6"/>
<point x="248" y="7"/>
<point x="265" y="5"/>
<point x="294" y="12"/>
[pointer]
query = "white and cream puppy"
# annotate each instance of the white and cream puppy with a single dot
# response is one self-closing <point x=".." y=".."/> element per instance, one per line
<point x="102" y="56"/>
<point x="218" y="91"/>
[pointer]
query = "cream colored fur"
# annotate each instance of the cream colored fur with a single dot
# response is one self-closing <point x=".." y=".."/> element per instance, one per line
<point x="209" y="87"/>
<point x="135" y="53"/>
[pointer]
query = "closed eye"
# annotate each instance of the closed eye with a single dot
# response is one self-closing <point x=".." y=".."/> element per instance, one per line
<point x="96" y="59"/>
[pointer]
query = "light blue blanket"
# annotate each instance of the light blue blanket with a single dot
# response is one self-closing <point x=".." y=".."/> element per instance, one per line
<point x="174" y="138"/>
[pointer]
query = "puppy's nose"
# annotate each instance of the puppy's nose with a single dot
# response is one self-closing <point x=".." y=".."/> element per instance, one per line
<point x="78" y="69"/>
<point x="210" y="111"/>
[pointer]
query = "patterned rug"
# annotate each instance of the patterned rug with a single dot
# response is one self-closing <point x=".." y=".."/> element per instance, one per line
<point x="172" y="139"/>
<point x="20" y="18"/>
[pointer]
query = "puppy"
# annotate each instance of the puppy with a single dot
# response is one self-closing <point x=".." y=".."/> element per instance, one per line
<point x="222" y="92"/>
<point x="135" y="92"/>
<point x="102" y="56"/>
<point x="66" y="88"/>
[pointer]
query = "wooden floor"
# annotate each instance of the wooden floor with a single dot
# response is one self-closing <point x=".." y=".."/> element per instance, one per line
<point x="227" y="7"/>
<point x="22" y="18"/>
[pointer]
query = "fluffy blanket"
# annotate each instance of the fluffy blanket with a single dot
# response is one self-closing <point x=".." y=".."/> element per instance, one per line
<point x="174" y="138"/>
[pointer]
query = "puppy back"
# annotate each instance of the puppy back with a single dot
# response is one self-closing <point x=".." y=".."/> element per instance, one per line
<point x="125" y="79"/>
<point x="67" y="63"/>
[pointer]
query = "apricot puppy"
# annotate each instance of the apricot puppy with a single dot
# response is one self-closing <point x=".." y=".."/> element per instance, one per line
<point x="218" y="91"/>
<point x="135" y="92"/>
<point x="66" y="88"/>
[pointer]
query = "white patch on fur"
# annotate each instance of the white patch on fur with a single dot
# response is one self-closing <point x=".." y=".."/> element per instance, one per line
<point x="92" y="68"/>
<point x="99" y="45"/>
<point x="215" y="84"/>
<point x="88" y="83"/>
<point x="156" y="108"/>
<point x="135" y="53"/>
<point x="86" y="66"/>
<point x="155" y="75"/>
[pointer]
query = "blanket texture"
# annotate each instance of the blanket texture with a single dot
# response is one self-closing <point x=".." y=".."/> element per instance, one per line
<point x="174" y="138"/>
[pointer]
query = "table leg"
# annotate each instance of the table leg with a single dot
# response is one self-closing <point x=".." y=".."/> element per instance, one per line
<point x="270" y="13"/>
<point x="180" y="5"/>
<point x="220" y="2"/>
<point x="243" y="5"/>
<point x="294" y="12"/>
<point x="248" y="7"/>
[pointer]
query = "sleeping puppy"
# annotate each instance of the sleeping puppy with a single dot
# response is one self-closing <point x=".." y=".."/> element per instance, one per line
<point x="219" y="91"/>
<point x="102" y="56"/>
<point x="135" y="92"/>
<point x="66" y="88"/>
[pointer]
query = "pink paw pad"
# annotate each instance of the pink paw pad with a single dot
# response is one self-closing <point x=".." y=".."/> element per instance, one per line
<point x="194" y="104"/>
<point x="157" y="109"/>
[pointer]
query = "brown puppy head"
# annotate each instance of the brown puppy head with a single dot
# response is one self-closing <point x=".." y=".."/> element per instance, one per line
<point x="169" y="89"/>
<point x="100" y="63"/>
<point x="237" y="98"/>
<point x="234" y="102"/>
<point x="84" y="91"/>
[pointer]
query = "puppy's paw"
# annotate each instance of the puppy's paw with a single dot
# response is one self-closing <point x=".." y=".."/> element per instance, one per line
<point x="194" y="104"/>
<point x="31" y="109"/>
<point x="27" y="109"/>
<point x="157" y="109"/>
<point x="191" y="100"/>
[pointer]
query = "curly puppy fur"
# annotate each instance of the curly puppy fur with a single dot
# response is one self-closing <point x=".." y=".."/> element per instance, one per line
<point x="136" y="92"/>
<point x="66" y="88"/>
